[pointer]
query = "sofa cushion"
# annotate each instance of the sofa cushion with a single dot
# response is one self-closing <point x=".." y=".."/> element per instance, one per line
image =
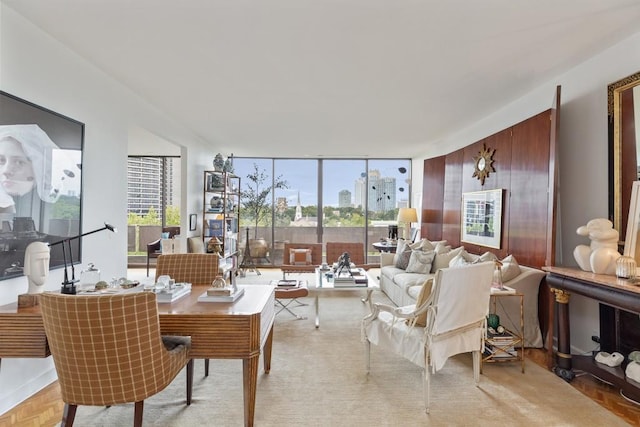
<point x="402" y="258"/>
<point x="300" y="256"/>
<point x="405" y="280"/>
<point x="420" y="261"/>
<point x="510" y="268"/>
<point x="443" y="259"/>
<point x="426" y="245"/>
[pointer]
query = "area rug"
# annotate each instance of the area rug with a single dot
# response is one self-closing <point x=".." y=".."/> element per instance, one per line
<point x="318" y="379"/>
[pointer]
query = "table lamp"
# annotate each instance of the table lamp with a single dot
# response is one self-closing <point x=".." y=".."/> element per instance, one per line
<point x="407" y="216"/>
<point x="68" y="285"/>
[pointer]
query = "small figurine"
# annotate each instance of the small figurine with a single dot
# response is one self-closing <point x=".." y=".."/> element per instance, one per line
<point x="344" y="263"/>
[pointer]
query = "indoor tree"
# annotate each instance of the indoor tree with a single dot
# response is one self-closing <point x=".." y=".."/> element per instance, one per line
<point x="255" y="195"/>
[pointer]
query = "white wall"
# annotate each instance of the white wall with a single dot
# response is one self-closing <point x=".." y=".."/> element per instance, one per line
<point x="37" y="68"/>
<point x="583" y="181"/>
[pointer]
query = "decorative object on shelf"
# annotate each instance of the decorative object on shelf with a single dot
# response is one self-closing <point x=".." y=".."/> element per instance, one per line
<point x="216" y="203"/>
<point x="228" y="164"/>
<point x="483" y="163"/>
<point x="626" y="267"/>
<point x="601" y="255"/>
<point x="218" y="163"/>
<point x="214" y="246"/>
<point x="215" y="182"/>
<point x="406" y="216"/>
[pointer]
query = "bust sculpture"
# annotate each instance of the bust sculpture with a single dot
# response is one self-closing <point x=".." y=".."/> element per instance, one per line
<point x="36" y="266"/>
<point x="601" y="255"/>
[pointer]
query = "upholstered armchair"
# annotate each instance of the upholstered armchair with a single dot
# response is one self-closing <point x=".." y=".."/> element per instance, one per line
<point x="356" y="252"/>
<point x="301" y="257"/>
<point x="448" y="318"/>
<point x="154" y="249"/>
<point x="107" y="350"/>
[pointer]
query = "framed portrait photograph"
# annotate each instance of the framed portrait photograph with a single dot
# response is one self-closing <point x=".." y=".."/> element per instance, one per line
<point x="482" y="218"/>
<point x="40" y="183"/>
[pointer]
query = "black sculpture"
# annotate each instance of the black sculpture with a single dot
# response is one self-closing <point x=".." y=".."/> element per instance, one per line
<point x="344" y="263"/>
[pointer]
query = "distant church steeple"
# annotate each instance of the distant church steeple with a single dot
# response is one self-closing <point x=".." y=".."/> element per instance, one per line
<point x="298" y="216"/>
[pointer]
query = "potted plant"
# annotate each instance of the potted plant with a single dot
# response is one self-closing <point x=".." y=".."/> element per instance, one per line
<point x="256" y="205"/>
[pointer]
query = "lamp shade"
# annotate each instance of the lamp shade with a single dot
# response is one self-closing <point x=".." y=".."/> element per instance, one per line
<point x="407" y="215"/>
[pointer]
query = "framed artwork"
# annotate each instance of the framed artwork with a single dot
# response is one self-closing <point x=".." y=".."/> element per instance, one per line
<point x="482" y="218"/>
<point x="40" y="182"/>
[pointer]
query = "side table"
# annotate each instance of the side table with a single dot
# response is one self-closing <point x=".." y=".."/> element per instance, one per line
<point x="507" y="346"/>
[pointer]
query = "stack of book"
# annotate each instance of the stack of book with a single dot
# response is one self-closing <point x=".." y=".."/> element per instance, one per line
<point x="500" y="346"/>
<point x="288" y="283"/>
<point x="343" y="279"/>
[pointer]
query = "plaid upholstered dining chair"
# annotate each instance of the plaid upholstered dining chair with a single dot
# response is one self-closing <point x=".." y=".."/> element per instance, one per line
<point x="197" y="269"/>
<point x="107" y="350"/>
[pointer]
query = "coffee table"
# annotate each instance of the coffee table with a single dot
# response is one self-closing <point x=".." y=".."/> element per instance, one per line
<point x="325" y="283"/>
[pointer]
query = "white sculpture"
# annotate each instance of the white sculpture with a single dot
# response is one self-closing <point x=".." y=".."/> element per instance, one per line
<point x="36" y="266"/>
<point x="601" y="256"/>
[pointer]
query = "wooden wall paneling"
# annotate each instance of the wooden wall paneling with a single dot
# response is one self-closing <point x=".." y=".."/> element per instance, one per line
<point x="432" y="198"/>
<point x="529" y="190"/>
<point x="452" y="197"/>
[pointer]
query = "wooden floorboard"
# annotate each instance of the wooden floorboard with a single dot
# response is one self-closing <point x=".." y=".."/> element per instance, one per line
<point x="45" y="407"/>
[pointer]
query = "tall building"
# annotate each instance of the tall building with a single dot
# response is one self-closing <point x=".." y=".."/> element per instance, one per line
<point x="149" y="181"/>
<point x="344" y="199"/>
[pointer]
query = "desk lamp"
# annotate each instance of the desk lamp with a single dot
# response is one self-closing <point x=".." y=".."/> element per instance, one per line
<point x="68" y="285"/>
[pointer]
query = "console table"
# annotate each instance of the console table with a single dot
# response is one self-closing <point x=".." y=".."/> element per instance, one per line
<point x="611" y="292"/>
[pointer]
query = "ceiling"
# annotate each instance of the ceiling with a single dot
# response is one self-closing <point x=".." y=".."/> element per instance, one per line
<point x="355" y="78"/>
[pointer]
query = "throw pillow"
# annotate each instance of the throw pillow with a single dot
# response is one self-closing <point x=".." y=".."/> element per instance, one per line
<point x="487" y="256"/>
<point x="420" y="262"/>
<point x="510" y="269"/>
<point x="459" y="261"/>
<point x="443" y="259"/>
<point x="403" y="258"/>
<point x="300" y="256"/>
<point x="423" y="296"/>
<point x="400" y="248"/>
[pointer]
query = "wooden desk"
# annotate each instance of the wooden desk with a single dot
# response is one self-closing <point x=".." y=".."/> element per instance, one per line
<point x="608" y="290"/>
<point x="238" y="330"/>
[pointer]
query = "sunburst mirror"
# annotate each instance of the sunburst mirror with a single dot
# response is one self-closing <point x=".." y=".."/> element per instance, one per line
<point x="483" y="163"/>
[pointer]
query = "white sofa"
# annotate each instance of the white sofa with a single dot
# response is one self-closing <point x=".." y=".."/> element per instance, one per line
<point x="403" y="288"/>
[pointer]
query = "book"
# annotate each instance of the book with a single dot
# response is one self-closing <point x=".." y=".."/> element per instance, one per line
<point x="171" y="295"/>
<point x="221" y="298"/>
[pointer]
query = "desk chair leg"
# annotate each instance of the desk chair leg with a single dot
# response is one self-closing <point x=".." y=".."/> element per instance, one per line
<point x="284" y="306"/>
<point x="206" y="367"/>
<point x="68" y="415"/>
<point x="189" y="381"/>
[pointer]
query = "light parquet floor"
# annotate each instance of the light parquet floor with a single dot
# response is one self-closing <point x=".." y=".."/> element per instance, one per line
<point x="45" y="407"/>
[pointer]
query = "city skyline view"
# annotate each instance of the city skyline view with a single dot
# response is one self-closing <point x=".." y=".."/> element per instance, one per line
<point x="338" y="175"/>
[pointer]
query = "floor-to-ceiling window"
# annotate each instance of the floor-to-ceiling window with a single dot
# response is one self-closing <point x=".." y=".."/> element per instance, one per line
<point x="321" y="200"/>
<point x="153" y="198"/>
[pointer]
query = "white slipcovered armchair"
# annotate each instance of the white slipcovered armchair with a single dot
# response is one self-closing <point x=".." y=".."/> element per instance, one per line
<point x="456" y="311"/>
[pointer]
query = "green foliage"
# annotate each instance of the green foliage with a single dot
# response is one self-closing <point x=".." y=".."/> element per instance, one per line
<point x="66" y="208"/>
<point x="256" y="206"/>
<point x="172" y="215"/>
<point x="151" y="218"/>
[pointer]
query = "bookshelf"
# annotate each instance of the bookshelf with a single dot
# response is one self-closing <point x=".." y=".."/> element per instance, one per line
<point x="221" y="217"/>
